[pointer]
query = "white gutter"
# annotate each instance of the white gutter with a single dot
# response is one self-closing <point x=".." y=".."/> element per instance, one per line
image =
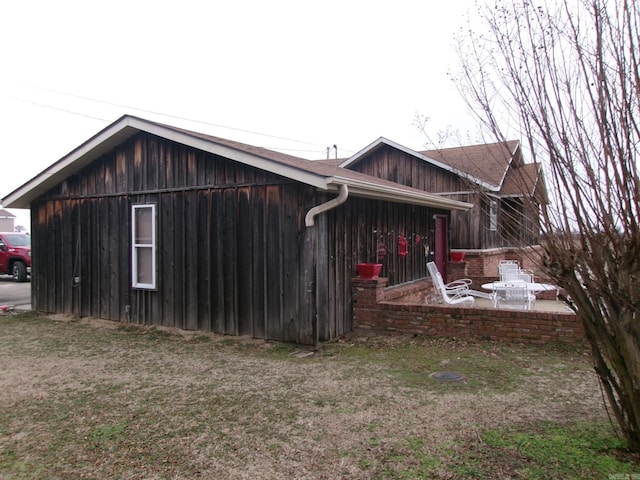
<point x="323" y="207"/>
<point x="398" y="194"/>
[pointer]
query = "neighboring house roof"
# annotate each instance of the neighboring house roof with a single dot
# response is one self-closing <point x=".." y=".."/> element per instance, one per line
<point x="382" y="142"/>
<point x="488" y="163"/>
<point x="522" y="180"/>
<point x="6" y="214"/>
<point x="322" y="176"/>
<point x="485" y="164"/>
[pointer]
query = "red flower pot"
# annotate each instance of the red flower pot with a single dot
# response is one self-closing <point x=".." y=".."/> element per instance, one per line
<point x="456" y="256"/>
<point x="369" y="270"/>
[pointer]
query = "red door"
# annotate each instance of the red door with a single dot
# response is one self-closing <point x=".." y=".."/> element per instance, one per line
<point x="441" y="246"/>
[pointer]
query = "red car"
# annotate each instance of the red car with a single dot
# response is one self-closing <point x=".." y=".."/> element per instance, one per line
<point x="15" y="255"/>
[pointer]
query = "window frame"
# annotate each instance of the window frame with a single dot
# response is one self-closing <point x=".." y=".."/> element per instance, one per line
<point x="137" y="246"/>
<point x="493" y="215"/>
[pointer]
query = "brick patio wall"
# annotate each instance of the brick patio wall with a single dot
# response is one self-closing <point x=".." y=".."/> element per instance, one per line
<point x="402" y="310"/>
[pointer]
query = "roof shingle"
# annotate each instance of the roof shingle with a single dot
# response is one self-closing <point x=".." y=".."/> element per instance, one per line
<point x="487" y="162"/>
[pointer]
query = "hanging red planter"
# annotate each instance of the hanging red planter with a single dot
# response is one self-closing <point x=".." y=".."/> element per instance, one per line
<point x="403" y="246"/>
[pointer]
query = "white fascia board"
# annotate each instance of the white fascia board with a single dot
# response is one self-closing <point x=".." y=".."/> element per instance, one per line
<point x="380" y="141"/>
<point x="69" y="164"/>
<point x="398" y="194"/>
<point x="126" y="127"/>
<point x="369" y="148"/>
<point x="407" y="198"/>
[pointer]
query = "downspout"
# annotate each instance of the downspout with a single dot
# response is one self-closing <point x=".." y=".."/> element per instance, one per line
<point x="323" y="207"/>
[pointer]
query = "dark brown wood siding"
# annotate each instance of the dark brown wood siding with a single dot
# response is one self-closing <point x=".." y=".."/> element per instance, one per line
<point x="397" y="166"/>
<point x="233" y="253"/>
<point x="468" y="229"/>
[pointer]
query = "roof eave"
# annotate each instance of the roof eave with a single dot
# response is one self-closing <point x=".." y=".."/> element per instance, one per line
<point x="78" y="158"/>
<point x="127" y="126"/>
<point x="398" y="195"/>
<point x="121" y="130"/>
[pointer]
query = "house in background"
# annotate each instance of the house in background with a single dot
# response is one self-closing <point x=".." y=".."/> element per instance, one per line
<point x="504" y="190"/>
<point x="7" y="220"/>
<point x="152" y="224"/>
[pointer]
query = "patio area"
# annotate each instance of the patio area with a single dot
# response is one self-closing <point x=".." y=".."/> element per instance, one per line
<point x="403" y="309"/>
<point x="540" y="305"/>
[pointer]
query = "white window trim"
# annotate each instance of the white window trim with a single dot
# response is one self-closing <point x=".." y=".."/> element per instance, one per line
<point x="493" y="215"/>
<point x="136" y="246"/>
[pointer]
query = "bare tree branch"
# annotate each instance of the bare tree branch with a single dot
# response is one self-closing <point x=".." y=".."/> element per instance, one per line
<point x="566" y="74"/>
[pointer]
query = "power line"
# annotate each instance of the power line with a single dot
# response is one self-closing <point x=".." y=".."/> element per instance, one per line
<point x="177" y="117"/>
<point x="51" y="107"/>
<point x="71" y="112"/>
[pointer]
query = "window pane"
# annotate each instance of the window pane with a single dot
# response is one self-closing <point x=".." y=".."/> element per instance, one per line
<point x="143" y="225"/>
<point x="143" y="246"/>
<point x="493" y="215"/>
<point x="145" y="265"/>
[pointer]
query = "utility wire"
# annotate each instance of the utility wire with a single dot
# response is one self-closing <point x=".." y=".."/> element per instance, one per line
<point x="51" y="107"/>
<point x="177" y="117"/>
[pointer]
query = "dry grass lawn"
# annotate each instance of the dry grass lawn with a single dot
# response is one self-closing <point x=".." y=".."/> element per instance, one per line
<point x="101" y="400"/>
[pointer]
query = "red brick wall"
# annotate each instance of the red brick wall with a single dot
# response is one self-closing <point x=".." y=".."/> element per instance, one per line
<point x="383" y="310"/>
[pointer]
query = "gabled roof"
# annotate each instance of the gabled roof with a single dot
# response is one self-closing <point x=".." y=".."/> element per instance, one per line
<point x="484" y="164"/>
<point x="382" y="142"/>
<point x="488" y="163"/>
<point x="6" y="214"/>
<point x="527" y="179"/>
<point x="321" y="176"/>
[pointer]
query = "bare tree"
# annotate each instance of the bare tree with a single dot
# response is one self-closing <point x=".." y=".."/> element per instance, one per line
<point x="565" y="74"/>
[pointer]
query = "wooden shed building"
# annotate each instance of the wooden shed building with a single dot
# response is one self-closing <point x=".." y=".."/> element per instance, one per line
<point x="152" y="224"/>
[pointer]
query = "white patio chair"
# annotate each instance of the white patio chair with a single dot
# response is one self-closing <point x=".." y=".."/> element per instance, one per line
<point x="518" y="275"/>
<point x="452" y="297"/>
<point x="452" y="287"/>
<point x="513" y="295"/>
<point x="452" y="292"/>
<point x="462" y="285"/>
<point x="506" y="268"/>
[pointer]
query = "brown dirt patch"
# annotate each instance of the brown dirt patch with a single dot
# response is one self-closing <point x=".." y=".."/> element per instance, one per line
<point x="95" y="399"/>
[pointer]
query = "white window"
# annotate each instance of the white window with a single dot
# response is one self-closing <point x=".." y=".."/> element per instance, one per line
<point x="493" y="215"/>
<point x="143" y="246"/>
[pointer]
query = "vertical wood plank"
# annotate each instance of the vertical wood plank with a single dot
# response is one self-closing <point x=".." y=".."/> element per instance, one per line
<point x="322" y="279"/>
<point x="166" y="260"/>
<point x="216" y="211"/>
<point x="259" y="254"/>
<point x="192" y="259"/>
<point x="178" y="255"/>
<point x="245" y="287"/>
<point x="104" y="225"/>
<point x="290" y="260"/>
<point x="230" y="261"/>
<point x="274" y="263"/>
<point x="124" y="258"/>
<point x="113" y="235"/>
<point x="204" y="263"/>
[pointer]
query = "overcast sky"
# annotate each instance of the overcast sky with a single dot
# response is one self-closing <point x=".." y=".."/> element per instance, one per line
<point x="322" y="73"/>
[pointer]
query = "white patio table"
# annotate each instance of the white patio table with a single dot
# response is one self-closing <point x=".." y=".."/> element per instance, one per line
<point x="532" y="287"/>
